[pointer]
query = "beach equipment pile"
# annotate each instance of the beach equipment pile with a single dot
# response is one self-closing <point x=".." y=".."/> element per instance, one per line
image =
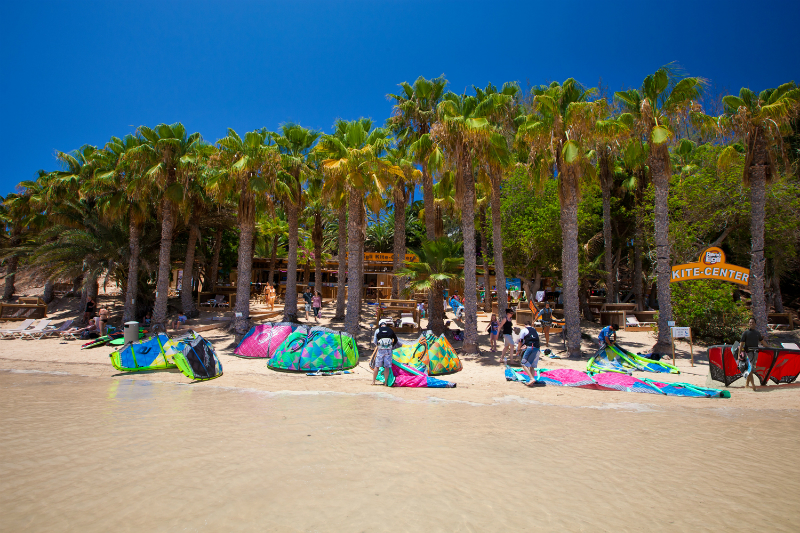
<point x="778" y="365"/>
<point x="317" y="349"/>
<point x="617" y="359"/>
<point x="264" y="339"/>
<point x="193" y="355"/>
<point x="432" y="352"/>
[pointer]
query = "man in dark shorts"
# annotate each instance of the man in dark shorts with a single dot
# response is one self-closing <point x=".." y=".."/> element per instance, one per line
<point x="529" y="338"/>
<point x="751" y="339"/>
<point x="546" y="316"/>
<point x="385" y="341"/>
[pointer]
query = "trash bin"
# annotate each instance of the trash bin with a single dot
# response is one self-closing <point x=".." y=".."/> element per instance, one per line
<point x="131" y="332"/>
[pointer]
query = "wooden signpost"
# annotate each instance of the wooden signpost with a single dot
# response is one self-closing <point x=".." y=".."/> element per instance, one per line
<point x="682" y="333"/>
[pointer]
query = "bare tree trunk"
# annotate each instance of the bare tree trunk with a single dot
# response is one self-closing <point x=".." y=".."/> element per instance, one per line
<point x="12" y="264"/>
<point x="487" y="292"/>
<point x="660" y="171"/>
<point x="605" y="184"/>
<point x="470" y="345"/>
<point x="77" y="283"/>
<point x="758" y="183"/>
<point x="570" y="259"/>
<point x="317" y="235"/>
<point x="340" y="283"/>
<point x="778" y="297"/>
<point x="241" y="316"/>
<point x="164" y="266"/>
<point x="49" y="291"/>
<point x="354" y="281"/>
<point x="398" y="283"/>
<point x="187" y="302"/>
<point x="215" y="260"/>
<point x="638" y="287"/>
<point x="273" y="260"/>
<point x="497" y="246"/>
<point x="290" y="303"/>
<point x="132" y="286"/>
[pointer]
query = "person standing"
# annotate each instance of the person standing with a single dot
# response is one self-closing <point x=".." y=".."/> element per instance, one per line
<point x="751" y="340"/>
<point x="385" y="341"/>
<point x="493" y="330"/>
<point x="545" y="314"/>
<point x="529" y="338"/>
<point x="507" y="327"/>
<point x="88" y="313"/>
<point x="316" y="303"/>
<point x="308" y="296"/>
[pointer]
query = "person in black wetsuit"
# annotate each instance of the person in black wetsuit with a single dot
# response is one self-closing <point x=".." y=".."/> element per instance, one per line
<point x="89" y="311"/>
<point x="507" y="328"/>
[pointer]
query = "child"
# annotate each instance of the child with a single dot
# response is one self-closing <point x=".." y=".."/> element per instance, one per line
<point x="421" y="309"/>
<point x="316" y="303"/>
<point x="493" y="329"/>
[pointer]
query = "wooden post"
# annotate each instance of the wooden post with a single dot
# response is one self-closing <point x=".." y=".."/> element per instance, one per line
<point x="673" y="347"/>
<point x="691" y="347"/>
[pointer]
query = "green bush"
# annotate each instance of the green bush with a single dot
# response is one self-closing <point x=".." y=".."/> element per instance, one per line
<point x="707" y="307"/>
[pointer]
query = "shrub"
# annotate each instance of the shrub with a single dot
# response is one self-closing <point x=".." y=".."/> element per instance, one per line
<point x="707" y="307"/>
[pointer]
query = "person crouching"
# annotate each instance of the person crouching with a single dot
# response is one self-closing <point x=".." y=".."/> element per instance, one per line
<point x="385" y="340"/>
<point x="529" y="338"/>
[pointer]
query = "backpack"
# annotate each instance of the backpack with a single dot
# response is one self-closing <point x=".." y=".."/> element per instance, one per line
<point x="531" y="338"/>
<point x="385" y="343"/>
<point x="385" y="338"/>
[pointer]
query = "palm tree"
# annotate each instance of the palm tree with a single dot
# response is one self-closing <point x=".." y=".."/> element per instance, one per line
<point x="633" y="161"/>
<point x="465" y="136"/>
<point x="502" y="110"/>
<point x="167" y="156"/>
<point x="414" y="114"/>
<point x="120" y="181"/>
<point x="350" y="162"/>
<point x="294" y="144"/>
<point x="249" y="168"/>
<point x="559" y="131"/>
<point x="761" y="122"/>
<point x="608" y="135"/>
<point x="656" y="109"/>
<point x="438" y="263"/>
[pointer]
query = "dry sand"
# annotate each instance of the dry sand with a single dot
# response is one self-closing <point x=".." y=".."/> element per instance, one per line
<point x="481" y="381"/>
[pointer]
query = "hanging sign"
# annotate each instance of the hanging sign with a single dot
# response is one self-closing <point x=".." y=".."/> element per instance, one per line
<point x="711" y="265"/>
<point x="682" y="333"/>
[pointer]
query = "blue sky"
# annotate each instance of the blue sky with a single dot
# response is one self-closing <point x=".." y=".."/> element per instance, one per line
<point x="79" y="72"/>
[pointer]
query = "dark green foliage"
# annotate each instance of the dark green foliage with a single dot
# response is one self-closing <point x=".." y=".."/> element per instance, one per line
<point x="707" y="306"/>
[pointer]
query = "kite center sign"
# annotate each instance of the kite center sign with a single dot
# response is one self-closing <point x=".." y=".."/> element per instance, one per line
<point x="711" y="265"/>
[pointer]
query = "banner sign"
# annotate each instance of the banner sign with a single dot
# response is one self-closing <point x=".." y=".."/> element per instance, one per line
<point x="711" y="265"/>
<point x="681" y="333"/>
<point x="386" y="258"/>
<point x="512" y="283"/>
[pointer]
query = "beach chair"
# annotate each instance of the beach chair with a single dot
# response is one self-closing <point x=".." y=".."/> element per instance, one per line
<point x="36" y="332"/>
<point x="57" y="331"/>
<point x="9" y="333"/>
<point x="219" y="301"/>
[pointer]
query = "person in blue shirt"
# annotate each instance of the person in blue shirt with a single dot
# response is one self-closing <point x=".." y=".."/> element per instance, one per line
<point x="458" y="307"/>
<point x="608" y="335"/>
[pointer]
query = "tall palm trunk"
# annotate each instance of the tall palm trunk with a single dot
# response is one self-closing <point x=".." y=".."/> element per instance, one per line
<point x="436" y="294"/>
<point x="605" y="185"/>
<point x="428" y="202"/>
<point x="317" y="235"/>
<point x="355" y="279"/>
<point x="273" y="260"/>
<point x="244" y="268"/>
<point x="570" y="259"/>
<point x="187" y="303"/>
<point x="398" y="283"/>
<point x="12" y="264"/>
<point x="362" y="238"/>
<point x="659" y="168"/>
<point x="340" y="283"/>
<point x="638" y="287"/>
<point x="470" y="345"/>
<point x="215" y="260"/>
<point x="290" y="305"/>
<point x="778" y="297"/>
<point x="487" y="292"/>
<point x="758" y="182"/>
<point x="132" y="286"/>
<point x="497" y="243"/>
<point x="49" y="291"/>
<point x="162" y="282"/>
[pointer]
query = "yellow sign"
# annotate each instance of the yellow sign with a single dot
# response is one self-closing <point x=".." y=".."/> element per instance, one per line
<point x="711" y="265"/>
<point x="386" y="258"/>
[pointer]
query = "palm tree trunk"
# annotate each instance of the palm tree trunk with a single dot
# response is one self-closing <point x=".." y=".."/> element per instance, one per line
<point x="659" y="168"/>
<point x="778" y="298"/>
<point x="487" y="292"/>
<point x="49" y="291"/>
<point x="162" y="282"/>
<point x="638" y="287"/>
<point x="497" y="244"/>
<point x="132" y="287"/>
<point x="187" y="303"/>
<point x="470" y="345"/>
<point x="436" y="295"/>
<point x="758" y="183"/>
<point x="318" y="252"/>
<point x="290" y="302"/>
<point x="273" y="259"/>
<point x="12" y="264"/>
<point x="570" y="259"/>
<point x="215" y="260"/>
<point x="605" y="184"/>
<point x="340" y="282"/>
<point x="361" y="240"/>
<point x="398" y="283"/>
<point x="355" y="278"/>
<point x="427" y="200"/>
<point x="241" y="316"/>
